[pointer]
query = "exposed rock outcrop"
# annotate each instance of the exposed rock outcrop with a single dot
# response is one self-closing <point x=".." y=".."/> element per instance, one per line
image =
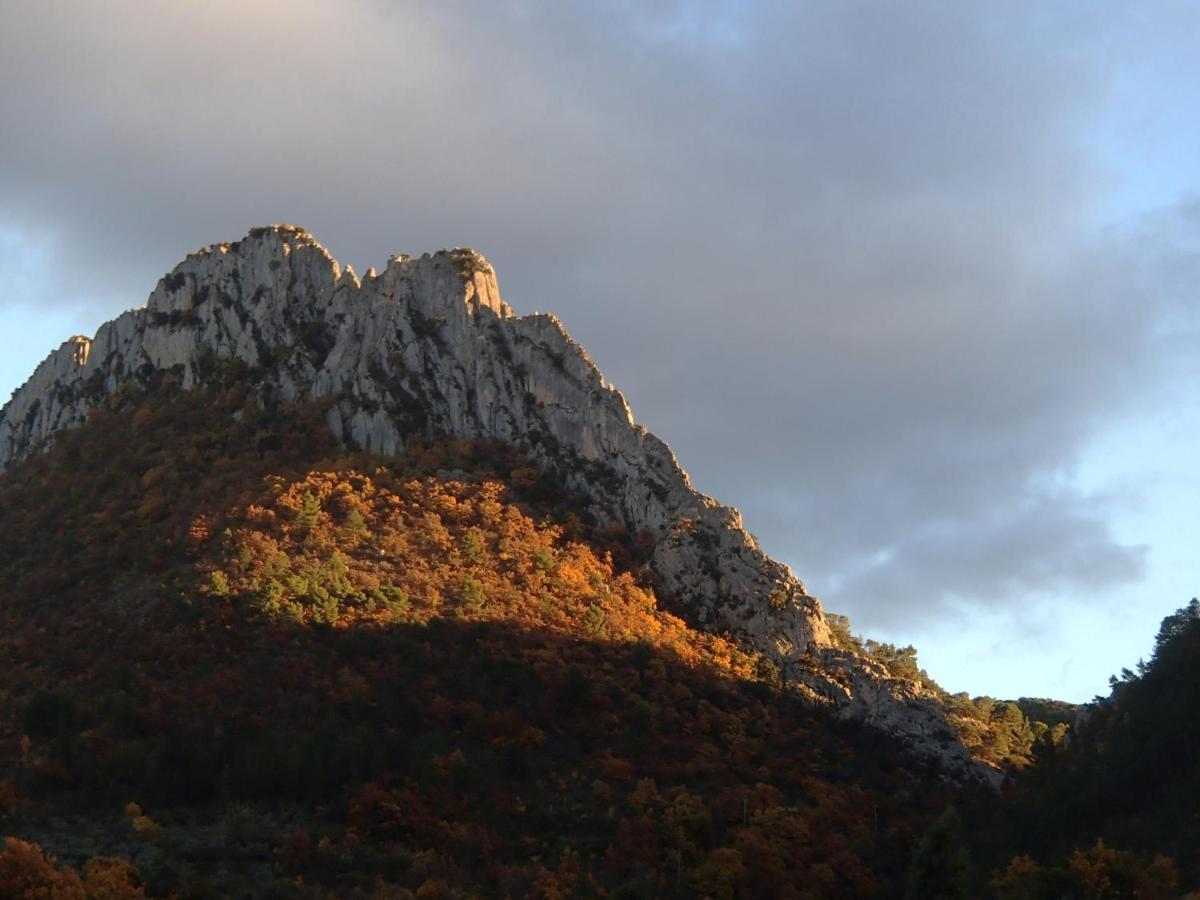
<point x="862" y="690"/>
<point x="428" y="346"/>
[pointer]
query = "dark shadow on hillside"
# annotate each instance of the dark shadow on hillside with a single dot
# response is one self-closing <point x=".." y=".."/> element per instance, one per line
<point x="485" y="742"/>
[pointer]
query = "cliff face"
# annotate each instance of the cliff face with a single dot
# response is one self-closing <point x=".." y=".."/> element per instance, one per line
<point x="428" y="346"/>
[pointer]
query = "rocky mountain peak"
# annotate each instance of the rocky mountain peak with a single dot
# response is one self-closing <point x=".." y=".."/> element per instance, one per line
<point x="428" y="347"/>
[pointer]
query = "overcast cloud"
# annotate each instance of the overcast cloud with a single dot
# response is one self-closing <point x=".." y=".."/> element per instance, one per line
<point x="853" y="260"/>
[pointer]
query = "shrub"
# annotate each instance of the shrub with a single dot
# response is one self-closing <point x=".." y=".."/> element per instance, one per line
<point x="472" y="545"/>
<point x="218" y="584"/>
<point x="594" y="619"/>
<point x="543" y="559"/>
<point x="471" y="595"/>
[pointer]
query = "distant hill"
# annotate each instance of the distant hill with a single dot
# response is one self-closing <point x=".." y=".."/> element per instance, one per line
<point x="427" y="350"/>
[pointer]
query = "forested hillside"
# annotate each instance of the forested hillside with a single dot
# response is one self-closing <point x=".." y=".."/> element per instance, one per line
<point x="1128" y="778"/>
<point x="244" y="661"/>
<point x="240" y="661"/>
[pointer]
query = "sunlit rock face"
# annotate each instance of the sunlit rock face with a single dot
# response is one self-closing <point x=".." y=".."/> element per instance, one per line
<point x="428" y="347"/>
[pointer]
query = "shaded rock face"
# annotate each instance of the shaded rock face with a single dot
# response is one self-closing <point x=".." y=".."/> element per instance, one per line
<point x="427" y="346"/>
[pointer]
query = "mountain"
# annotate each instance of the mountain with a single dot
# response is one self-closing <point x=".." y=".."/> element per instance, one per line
<point x="427" y="348"/>
<point x="313" y="586"/>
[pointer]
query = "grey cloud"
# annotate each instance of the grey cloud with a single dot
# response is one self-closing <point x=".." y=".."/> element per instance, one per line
<point x="839" y="255"/>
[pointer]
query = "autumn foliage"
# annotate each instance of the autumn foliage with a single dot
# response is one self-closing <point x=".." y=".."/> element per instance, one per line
<point x="238" y="660"/>
<point x="428" y="674"/>
<point x="28" y="873"/>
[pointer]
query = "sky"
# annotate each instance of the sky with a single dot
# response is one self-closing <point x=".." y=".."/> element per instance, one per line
<point x="913" y="285"/>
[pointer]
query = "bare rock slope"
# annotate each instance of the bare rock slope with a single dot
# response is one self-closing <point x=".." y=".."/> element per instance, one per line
<point x="428" y="346"/>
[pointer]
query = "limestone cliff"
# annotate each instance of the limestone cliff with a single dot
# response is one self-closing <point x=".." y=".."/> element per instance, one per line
<point x="427" y="346"/>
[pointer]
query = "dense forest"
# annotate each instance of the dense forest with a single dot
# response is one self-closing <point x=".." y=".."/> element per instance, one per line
<point x="1128" y="778"/>
<point x="240" y="661"/>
